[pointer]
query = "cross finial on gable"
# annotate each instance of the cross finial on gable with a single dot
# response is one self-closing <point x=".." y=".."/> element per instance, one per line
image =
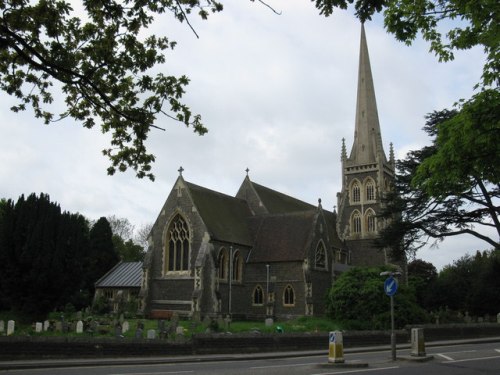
<point x="180" y="170"/>
<point x="247" y="170"/>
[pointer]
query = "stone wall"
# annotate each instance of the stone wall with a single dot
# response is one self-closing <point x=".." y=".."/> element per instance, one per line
<point x="63" y="347"/>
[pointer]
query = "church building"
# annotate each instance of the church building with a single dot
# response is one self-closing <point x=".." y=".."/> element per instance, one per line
<point x="262" y="253"/>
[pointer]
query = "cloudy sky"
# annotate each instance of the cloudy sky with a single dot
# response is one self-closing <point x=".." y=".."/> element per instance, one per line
<point x="277" y="93"/>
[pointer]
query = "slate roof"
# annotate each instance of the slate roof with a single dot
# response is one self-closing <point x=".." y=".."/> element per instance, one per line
<point x="282" y="237"/>
<point x="123" y="275"/>
<point x="277" y="202"/>
<point x="226" y="217"/>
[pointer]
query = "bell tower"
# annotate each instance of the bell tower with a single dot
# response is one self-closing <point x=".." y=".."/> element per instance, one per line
<point x="366" y="173"/>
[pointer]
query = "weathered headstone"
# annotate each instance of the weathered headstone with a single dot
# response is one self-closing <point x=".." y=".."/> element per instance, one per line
<point x="46" y="325"/>
<point x="2" y="326"/>
<point x="59" y="326"/>
<point x="221" y="323"/>
<point x="79" y="327"/>
<point x="207" y="321"/>
<point x="138" y="333"/>
<point x="38" y="327"/>
<point x="269" y="322"/>
<point x="10" y="327"/>
<point x="118" y="330"/>
<point x="179" y="331"/>
<point x="151" y="334"/>
<point x="125" y="326"/>
<point x="227" y="323"/>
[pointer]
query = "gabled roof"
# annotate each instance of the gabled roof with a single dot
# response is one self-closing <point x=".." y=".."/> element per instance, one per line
<point x="123" y="275"/>
<point x="277" y="202"/>
<point x="282" y="237"/>
<point x="224" y="216"/>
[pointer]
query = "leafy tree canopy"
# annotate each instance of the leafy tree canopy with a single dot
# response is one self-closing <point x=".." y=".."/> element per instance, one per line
<point x="100" y="56"/>
<point x="357" y="300"/>
<point x="465" y="24"/>
<point x="451" y="187"/>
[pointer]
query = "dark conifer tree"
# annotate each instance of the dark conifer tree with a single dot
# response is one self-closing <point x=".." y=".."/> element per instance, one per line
<point x="102" y="253"/>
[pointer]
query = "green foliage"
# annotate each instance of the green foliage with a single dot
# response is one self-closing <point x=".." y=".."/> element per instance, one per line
<point x="102" y="252"/>
<point x="357" y="300"/>
<point x="421" y="278"/>
<point x="470" y="284"/>
<point x="102" y="61"/>
<point x="451" y="187"/>
<point x="464" y="23"/>
<point x="128" y="251"/>
<point x="41" y="251"/>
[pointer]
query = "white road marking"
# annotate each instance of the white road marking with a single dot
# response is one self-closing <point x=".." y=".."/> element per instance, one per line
<point x="473" y="359"/>
<point x="445" y="357"/>
<point x="153" y="373"/>
<point x="358" y="370"/>
<point x="497" y="350"/>
<point x="274" y="366"/>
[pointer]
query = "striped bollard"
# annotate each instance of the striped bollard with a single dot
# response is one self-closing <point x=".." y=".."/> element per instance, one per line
<point x="336" y="347"/>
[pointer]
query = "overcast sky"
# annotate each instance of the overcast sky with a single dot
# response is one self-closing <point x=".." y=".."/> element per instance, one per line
<point x="277" y="94"/>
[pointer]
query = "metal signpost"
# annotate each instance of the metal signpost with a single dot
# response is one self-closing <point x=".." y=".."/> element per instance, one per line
<point x="390" y="288"/>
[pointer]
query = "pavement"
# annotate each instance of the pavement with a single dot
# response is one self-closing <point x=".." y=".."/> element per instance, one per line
<point x="78" y="362"/>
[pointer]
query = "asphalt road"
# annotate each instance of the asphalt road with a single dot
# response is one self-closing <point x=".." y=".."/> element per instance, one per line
<point x="466" y="359"/>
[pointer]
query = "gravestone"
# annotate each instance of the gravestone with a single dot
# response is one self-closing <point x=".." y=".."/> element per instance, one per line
<point x="125" y="326"/>
<point x="10" y="327"/>
<point x="269" y="322"/>
<point x="227" y="323"/>
<point x="138" y="333"/>
<point x="79" y="327"/>
<point x="118" y="330"/>
<point x="2" y="326"/>
<point x="38" y="327"/>
<point x="122" y="318"/>
<point x="221" y="323"/>
<point x="151" y="334"/>
<point x="46" y="325"/>
<point x="179" y="331"/>
<point x="59" y="326"/>
<point x="207" y="321"/>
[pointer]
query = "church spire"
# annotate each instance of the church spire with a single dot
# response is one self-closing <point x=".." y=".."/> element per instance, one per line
<point x="367" y="146"/>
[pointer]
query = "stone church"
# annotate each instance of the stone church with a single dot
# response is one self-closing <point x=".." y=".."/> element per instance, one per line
<point x="262" y="253"/>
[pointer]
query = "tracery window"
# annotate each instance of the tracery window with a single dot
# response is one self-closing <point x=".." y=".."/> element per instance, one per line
<point x="222" y="264"/>
<point x="320" y="256"/>
<point x="356" y="192"/>
<point x="370" y="190"/>
<point x="258" y="295"/>
<point x="370" y="221"/>
<point x="288" y="296"/>
<point x="177" y="245"/>
<point x="237" y="266"/>
<point x="356" y="222"/>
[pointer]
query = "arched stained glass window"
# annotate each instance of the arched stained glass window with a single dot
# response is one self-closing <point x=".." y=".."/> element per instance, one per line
<point x="356" y="222"/>
<point x="177" y="254"/>
<point x="320" y="256"/>
<point x="356" y="192"/>
<point x="258" y="295"/>
<point x="288" y="296"/>
<point x="370" y="221"/>
<point x="370" y="190"/>
<point x="222" y="264"/>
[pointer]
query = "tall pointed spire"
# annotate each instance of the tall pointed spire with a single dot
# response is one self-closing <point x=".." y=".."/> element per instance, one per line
<point x="367" y="144"/>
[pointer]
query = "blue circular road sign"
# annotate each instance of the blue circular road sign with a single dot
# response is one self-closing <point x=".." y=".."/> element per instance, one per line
<point x="390" y="286"/>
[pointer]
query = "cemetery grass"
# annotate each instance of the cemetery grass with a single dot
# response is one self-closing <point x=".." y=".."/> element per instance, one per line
<point x="106" y="328"/>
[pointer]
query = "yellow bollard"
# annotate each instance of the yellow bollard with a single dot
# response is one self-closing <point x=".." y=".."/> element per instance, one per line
<point x="336" y="347"/>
